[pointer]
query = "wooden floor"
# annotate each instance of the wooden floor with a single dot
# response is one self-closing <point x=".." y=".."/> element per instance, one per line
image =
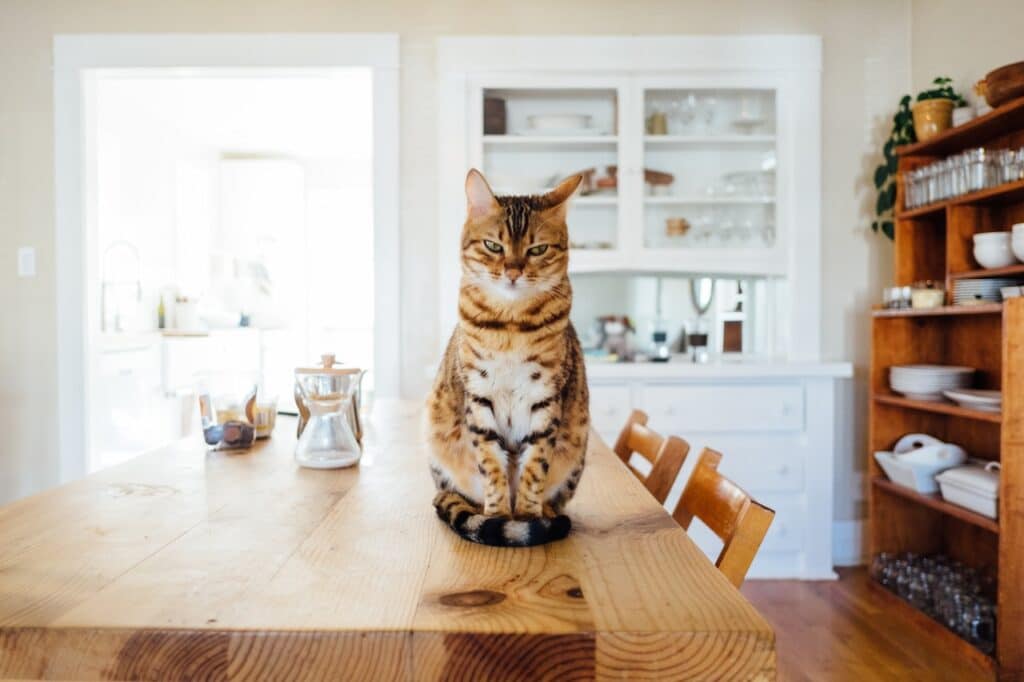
<point x="840" y="630"/>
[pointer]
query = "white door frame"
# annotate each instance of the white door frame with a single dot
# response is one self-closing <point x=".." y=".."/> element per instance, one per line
<point x="75" y="55"/>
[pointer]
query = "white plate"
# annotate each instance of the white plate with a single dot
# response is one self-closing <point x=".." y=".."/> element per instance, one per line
<point x="977" y="399"/>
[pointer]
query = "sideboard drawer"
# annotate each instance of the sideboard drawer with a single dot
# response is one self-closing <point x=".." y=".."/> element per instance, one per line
<point x="610" y="405"/>
<point x="754" y="407"/>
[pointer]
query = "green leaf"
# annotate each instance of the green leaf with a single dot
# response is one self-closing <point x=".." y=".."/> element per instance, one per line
<point x="886" y="200"/>
<point x="888" y="229"/>
<point x="892" y="166"/>
<point x="881" y="175"/>
<point x="887" y="149"/>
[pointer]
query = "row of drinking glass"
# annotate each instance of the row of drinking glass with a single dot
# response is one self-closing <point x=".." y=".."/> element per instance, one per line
<point x="970" y="171"/>
<point x="955" y="595"/>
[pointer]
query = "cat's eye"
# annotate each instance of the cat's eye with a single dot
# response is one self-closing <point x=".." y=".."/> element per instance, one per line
<point x="537" y="250"/>
<point x="493" y="247"/>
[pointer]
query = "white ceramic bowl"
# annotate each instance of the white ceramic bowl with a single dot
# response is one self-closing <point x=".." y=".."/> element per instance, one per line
<point x="1017" y="246"/>
<point x="1017" y="229"/>
<point x="994" y="255"/>
<point x="999" y="237"/>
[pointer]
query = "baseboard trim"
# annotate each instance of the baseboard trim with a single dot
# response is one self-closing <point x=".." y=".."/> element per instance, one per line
<point x="848" y="546"/>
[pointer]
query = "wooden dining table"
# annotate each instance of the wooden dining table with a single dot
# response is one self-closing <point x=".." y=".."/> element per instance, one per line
<point x="189" y="564"/>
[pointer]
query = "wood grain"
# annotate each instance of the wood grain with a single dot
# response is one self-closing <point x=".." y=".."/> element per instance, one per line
<point x="183" y="564"/>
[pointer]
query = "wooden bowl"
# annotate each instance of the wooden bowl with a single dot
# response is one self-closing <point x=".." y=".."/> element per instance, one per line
<point x="1004" y="84"/>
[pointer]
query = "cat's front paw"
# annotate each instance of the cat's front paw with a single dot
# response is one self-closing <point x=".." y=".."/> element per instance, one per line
<point x="527" y="510"/>
<point x="498" y="509"/>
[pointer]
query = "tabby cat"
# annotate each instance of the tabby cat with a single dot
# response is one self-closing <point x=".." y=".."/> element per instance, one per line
<point x="508" y="414"/>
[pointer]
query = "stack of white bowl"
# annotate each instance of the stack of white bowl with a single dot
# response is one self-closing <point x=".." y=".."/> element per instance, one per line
<point x="992" y="249"/>
<point x="1017" y="241"/>
<point x="927" y="382"/>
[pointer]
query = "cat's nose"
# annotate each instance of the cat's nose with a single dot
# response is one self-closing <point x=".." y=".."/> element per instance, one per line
<point x="513" y="274"/>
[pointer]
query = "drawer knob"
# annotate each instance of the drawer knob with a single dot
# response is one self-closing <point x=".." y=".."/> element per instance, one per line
<point x="784" y="469"/>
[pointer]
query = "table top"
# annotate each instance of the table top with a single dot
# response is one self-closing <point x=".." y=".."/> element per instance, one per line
<point x="207" y="565"/>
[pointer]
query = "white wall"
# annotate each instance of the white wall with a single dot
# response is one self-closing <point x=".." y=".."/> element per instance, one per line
<point x="964" y="40"/>
<point x="866" y="67"/>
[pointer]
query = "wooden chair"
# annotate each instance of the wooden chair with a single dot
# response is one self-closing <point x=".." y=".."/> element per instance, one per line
<point x="666" y="455"/>
<point x="734" y="516"/>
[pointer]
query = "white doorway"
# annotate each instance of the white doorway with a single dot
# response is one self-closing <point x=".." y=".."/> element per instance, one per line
<point x="229" y="217"/>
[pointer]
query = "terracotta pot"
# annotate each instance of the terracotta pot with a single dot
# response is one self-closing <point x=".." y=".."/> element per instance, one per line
<point x="931" y="117"/>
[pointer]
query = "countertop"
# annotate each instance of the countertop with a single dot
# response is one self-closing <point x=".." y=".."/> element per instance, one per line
<point x="188" y="564"/>
<point x="752" y="368"/>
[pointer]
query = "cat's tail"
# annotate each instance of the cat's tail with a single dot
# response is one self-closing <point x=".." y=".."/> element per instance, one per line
<point x="465" y="518"/>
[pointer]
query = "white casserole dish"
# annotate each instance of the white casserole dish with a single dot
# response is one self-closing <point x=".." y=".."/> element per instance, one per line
<point x="974" y="486"/>
<point x="917" y="469"/>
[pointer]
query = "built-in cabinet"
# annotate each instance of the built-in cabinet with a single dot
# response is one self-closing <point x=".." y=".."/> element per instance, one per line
<point x="775" y="426"/>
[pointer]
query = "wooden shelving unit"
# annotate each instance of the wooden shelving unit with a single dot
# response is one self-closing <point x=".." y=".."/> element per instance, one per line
<point x="935" y="242"/>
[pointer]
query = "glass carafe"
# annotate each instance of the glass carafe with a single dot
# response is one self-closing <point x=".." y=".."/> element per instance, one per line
<point x="331" y="437"/>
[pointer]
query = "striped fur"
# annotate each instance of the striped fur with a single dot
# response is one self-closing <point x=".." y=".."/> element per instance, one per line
<point x="465" y="519"/>
<point x="507" y="418"/>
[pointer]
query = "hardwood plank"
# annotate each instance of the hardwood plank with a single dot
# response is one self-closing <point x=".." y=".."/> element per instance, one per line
<point x="844" y="630"/>
<point x="187" y="564"/>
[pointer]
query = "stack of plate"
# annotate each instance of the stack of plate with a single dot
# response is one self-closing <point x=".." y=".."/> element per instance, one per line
<point x="985" y="290"/>
<point x="927" y="382"/>
<point x="976" y="399"/>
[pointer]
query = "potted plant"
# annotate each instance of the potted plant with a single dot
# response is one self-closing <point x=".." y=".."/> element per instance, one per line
<point x="933" y="110"/>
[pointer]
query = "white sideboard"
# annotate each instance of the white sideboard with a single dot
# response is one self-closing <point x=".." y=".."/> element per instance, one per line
<point x="775" y="425"/>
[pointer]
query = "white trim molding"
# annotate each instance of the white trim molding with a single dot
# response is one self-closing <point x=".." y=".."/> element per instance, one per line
<point x="76" y="56"/>
<point x="848" y="546"/>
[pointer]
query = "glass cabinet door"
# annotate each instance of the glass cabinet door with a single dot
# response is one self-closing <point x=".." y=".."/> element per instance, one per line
<point x="535" y="134"/>
<point x="709" y="169"/>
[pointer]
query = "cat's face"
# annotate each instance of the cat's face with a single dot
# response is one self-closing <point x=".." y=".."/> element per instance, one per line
<point x="515" y="247"/>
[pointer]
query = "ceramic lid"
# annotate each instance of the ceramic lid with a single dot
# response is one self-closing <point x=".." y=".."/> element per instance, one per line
<point x="977" y="479"/>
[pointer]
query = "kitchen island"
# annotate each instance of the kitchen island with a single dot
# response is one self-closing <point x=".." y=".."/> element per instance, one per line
<point x="188" y="564"/>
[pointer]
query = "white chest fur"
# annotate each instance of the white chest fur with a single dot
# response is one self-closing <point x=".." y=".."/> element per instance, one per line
<point x="508" y="382"/>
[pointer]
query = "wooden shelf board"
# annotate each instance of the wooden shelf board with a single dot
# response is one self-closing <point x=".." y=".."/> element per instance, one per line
<point x="1009" y="270"/>
<point x="939" y="207"/>
<point x="942" y="311"/>
<point x="925" y="623"/>
<point x="940" y="408"/>
<point x="936" y="502"/>
<point x="974" y="133"/>
<point x="1007" y="193"/>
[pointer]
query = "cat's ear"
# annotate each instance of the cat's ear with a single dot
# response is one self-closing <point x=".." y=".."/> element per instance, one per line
<point x="557" y="199"/>
<point x="480" y="199"/>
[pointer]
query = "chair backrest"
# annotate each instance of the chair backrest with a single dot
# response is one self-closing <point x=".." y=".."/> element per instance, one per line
<point x="729" y="511"/>
<point x="666" y="455"/>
